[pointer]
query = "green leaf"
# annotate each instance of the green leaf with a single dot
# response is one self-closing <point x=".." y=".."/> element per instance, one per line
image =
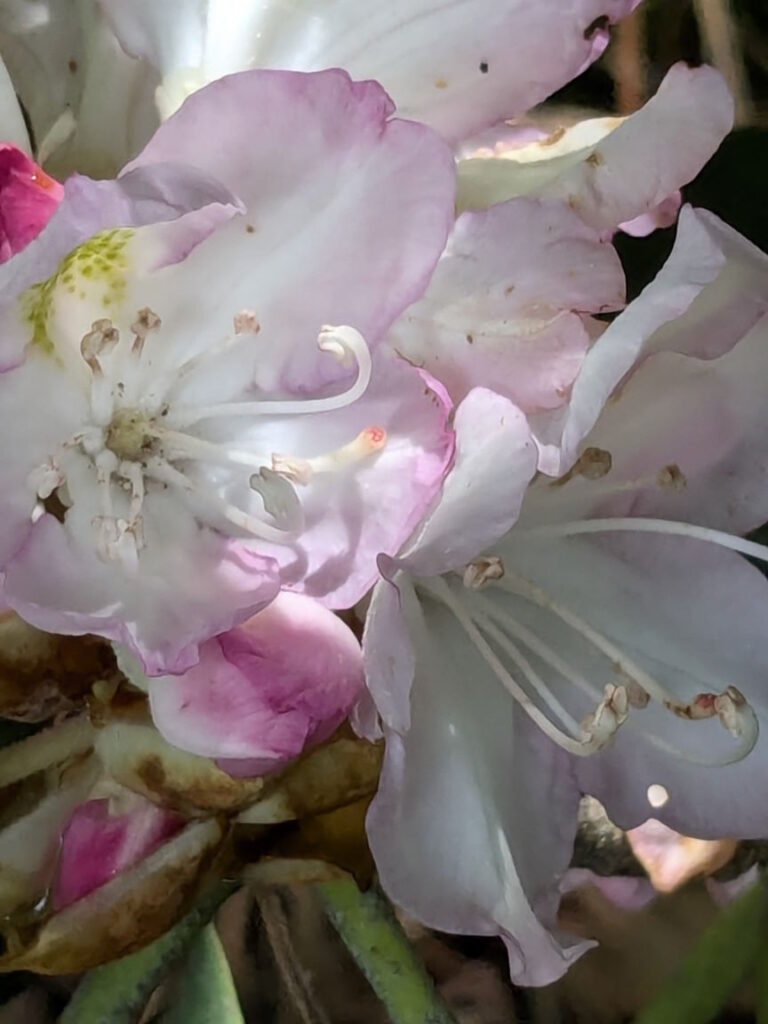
<point x="205" y="992"/>
<point x="372" y="934"/>
<point x="117" y="993"/>
<point x="722" y="958"/>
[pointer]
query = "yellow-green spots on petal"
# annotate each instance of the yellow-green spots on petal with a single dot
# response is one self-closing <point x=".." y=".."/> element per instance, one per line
<point x="94" y="272"/>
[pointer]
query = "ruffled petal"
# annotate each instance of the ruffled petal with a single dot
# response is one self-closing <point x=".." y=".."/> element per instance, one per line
<point x="265" y="691"/>
<point x="612" y="170"/>
<point x="653" y="321"/>
<point x="476" y="812"/>
<point x="481" y="498"/>
<point x="506" y="316"/>
<point x="447" y="66"/>
<point x="283" y="142"/>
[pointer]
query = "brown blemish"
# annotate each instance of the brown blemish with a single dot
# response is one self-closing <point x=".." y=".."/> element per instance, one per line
<point x="554" y="137"/>
<point x="441" y="84"/>
<point x="72" y="65"/>
<point x="595" y="159"/>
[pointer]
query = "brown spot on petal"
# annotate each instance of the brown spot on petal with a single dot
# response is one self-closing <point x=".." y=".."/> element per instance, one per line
<point x="137" y="757"/>
<point x="595" y="159"/>
<point x="553" y="137"/>
<point x="441" y="84"/>
<point x="42" y="675"/>
<point x="592" y="464"/>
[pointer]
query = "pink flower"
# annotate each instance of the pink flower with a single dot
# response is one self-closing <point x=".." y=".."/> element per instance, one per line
<point x="28" y="199"/>
<point x="97" y="844"/>
<point x="191" y="431"/>
<point x="264" y="692"/>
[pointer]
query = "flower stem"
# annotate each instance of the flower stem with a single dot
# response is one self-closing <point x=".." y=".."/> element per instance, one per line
<point x="370" y="931"/>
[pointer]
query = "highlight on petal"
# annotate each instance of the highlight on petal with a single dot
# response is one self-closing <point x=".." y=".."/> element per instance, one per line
<point x="28" y="199"/>
<point x="264" y="692"/>
<point x="462" y="792"/>
<point x="99" y="842"/>
<point x="503" y="309"/>
<point x="613" y="170"/>
<point x="448" y="66"/>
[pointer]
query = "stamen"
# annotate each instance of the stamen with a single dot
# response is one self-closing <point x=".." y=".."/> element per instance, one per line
<point x="146" y="323"/>
<point x="344" y="343"/>
<point x="598" y="727"/>
<point x="642" y="525"/>
<point x="99" y="341"/>
<point x="177" y="445"/>
<point x="482" y="571"/>
<point x="159" y="469"/>
<point x="46" y="478"/>
<point x="300" y="471"/>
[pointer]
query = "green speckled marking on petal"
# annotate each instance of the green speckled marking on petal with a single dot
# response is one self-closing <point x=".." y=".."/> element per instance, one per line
<point x="99" y="265"/>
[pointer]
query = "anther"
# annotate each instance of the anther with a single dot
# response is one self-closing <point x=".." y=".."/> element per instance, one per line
<point x="145" y="323"/>
<point x="482" y="571"/>
<point x="46" y="478"/>
<point x="280" y="499"/>
<point x="246" y="322"/>
<point x="671" y="478"/>
<point x="601" y="726"/>
<point x="99" y="341"/>
<point x="592" y="464"/>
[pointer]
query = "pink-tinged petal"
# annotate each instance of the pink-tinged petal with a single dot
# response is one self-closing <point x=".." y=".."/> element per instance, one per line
<point x="693" y="616"/>
<point x="282" y="142"/>
<point x="671" y="859"/>
<point x="97" y="845"/>
<point x="194" y="583"/>
<point x="662" y="215"/>
<point x="371" y="504"/>
<point x="611" y="171"/>
<point x="448" y="65"/>
<point x="627" y="892"/>
<point x="501" y="309"/>
<point x="474" y="820"/>
<point x="388" y="656"/>
<point x="264" y="692"/>
<point x="28" y="199"/>
<point x="695" y="262"/>
<point x="481" y="497"/>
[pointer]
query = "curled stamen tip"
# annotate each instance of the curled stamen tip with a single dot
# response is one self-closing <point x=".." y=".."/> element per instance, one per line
<point x="246" y="322"/>
<point x="340" y="342"/>
<point x="146" y="321"/>
<point x="100" y="340"/>
<point x="482" y="571"/>
<point x="736" y="714"/>
<point x="600" y="727"/>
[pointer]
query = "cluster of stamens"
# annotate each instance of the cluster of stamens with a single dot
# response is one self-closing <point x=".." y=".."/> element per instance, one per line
<point x="141" y="435"/>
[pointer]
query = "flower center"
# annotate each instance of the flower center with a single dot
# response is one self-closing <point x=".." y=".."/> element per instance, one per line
<point x="142" y="436"/>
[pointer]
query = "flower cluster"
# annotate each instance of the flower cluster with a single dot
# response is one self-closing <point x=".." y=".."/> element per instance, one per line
<point x="316" y="349"/>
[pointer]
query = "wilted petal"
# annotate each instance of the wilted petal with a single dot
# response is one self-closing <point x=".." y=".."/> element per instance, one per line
<point x="99" y="843"/>
<point x="29" y="845"/>
<point x="124" y="914"/>
<point x="614" y="170"/>
<point x="462" y="792"/>
<point x="136" y="756"/>
<point x="265" y="691"/>
<point x="448" y="66"/>
<point x="502" y="308"/>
